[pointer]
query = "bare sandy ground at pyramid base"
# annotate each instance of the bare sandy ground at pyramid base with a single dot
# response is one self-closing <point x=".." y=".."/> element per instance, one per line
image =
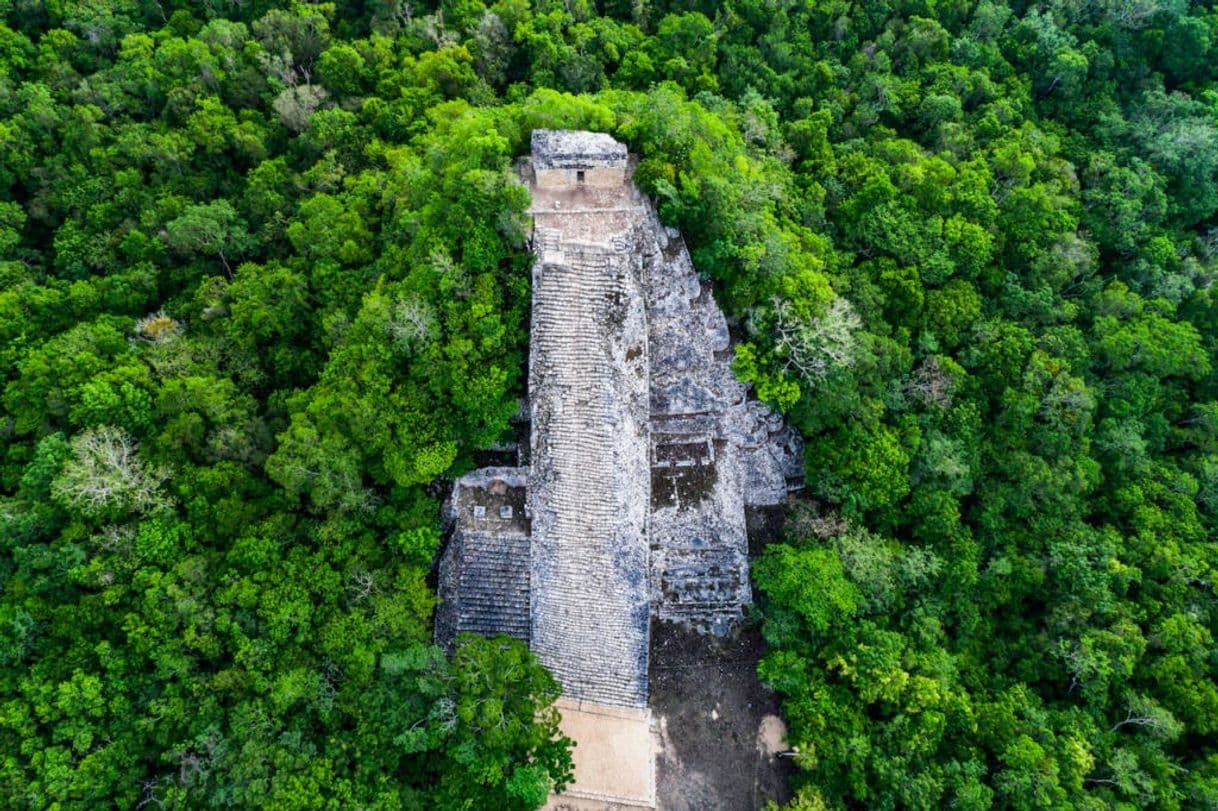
<point x="614" y="757"/>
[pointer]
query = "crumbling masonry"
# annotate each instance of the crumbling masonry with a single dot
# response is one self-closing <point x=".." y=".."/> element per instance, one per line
<point x="645" y="450"/>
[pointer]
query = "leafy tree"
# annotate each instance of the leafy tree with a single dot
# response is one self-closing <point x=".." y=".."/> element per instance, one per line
<point x="208" y="229"/>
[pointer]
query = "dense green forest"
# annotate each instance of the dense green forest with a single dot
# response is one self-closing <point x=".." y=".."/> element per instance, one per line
<point x="263" y="291"/>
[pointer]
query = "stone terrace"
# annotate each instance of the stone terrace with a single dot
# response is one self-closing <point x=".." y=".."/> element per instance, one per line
<point x="487" y="560"/>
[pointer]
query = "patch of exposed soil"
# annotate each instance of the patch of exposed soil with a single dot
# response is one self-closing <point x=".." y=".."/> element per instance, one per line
<point x="719" y="729"/>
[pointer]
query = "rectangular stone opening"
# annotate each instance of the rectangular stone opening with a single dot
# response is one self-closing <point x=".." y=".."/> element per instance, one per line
<point x="682" y="487"/>
<point x="683" y="454"/>
<point x="579" y="176"/>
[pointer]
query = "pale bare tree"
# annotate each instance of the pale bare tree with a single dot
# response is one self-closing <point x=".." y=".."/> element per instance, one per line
<point x="279" y="66"/>
<point x="930" y="384"/>
<point x="107" y="476"/>
<point x="296" y="105"/>
<point x="149" y="793"/>
<point x="1145" y="713"/>
<point x="1131" y="14"/>
<point x="814" y="347"/>
<point x="435" y="30"/>
<point x="412" y="322"/>
<point x="362" y="585"/>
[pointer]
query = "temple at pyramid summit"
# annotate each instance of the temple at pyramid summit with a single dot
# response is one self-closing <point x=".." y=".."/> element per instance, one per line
<point x="629" y="502"/>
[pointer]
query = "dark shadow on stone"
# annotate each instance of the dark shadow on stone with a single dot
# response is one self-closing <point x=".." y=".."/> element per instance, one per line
<point x="765" y="526"/>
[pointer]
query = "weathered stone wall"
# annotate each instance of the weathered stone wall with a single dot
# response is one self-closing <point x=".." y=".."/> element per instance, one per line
<point x="570" y="178"/>
<point x="699" y="546"/>
<point x="484" y="575"/>
<point x="563" y="159"/>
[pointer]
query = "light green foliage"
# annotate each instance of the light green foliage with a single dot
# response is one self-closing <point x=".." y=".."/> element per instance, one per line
<point x="811" y="583"/>
<point x="211" y="229"/>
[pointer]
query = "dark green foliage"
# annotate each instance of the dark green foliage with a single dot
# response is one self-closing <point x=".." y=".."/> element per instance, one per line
<point x="263" y="289"/>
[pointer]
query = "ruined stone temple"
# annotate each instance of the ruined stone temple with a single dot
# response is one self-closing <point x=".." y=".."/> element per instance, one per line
<point x="629" y="501"/>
